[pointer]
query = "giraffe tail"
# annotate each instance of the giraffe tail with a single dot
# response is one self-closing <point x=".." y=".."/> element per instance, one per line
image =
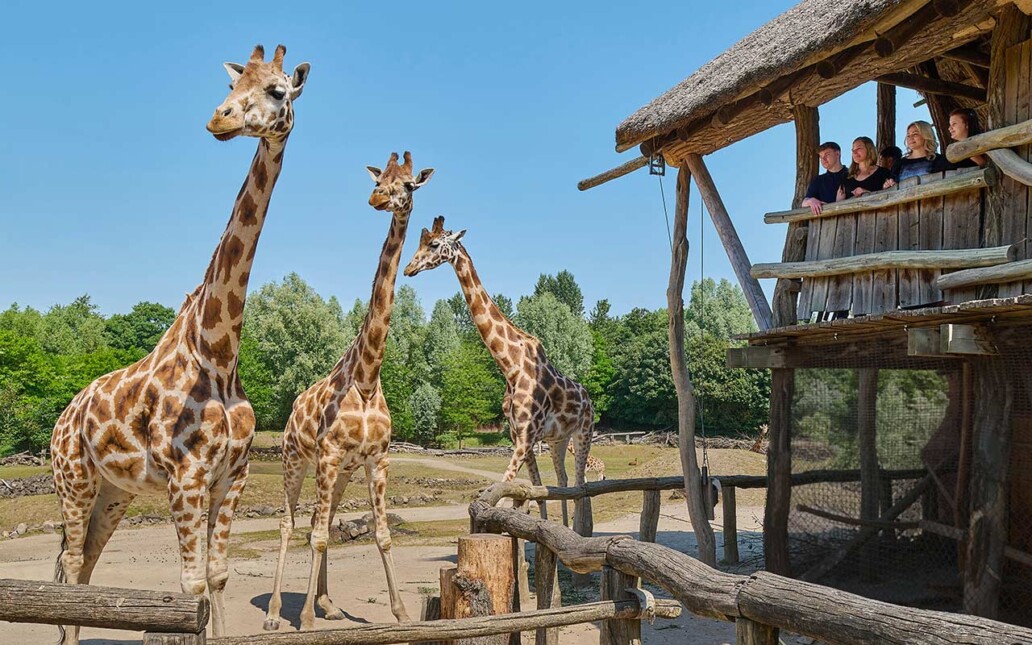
<point x="59" y="576"/>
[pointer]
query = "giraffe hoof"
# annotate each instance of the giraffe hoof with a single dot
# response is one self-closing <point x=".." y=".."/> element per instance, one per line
<point x="336" y="614"/>
<point x="271" y="624"/>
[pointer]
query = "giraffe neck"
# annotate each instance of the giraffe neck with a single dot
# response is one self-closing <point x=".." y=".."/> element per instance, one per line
<point x="217" y="308"/>
<point x="368" y="348"/>
<point x="495" y="329"/>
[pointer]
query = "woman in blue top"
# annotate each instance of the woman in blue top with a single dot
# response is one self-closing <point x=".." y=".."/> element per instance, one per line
<point x="921" y="157"/>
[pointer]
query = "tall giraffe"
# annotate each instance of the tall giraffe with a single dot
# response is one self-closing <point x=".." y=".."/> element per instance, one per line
<point x="541" y="404"/>
<point x="177" y="421"/>
<point x="342" y="422"/>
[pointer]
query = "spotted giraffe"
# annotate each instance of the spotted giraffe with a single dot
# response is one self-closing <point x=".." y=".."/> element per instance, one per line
<point x="177" y="421"/>
<point x="541" y="404"/>
<point x="593" y="465"/>
<point x="342" y="422"/>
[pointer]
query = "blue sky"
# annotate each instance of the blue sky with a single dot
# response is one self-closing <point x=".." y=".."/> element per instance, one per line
<point x="112" y="186"/>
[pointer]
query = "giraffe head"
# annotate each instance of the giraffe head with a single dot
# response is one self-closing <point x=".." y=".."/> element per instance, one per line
<point x="436" y="247"/>
<point x="261" y="98"/>
<point x="395" y="184"/>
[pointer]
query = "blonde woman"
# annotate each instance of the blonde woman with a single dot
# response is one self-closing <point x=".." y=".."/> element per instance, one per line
<point x="921" y="157"/>
<point x="865" y="175"/>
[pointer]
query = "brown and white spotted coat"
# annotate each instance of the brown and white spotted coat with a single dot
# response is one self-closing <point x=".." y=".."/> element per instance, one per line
<point x="541" y="404"/>
<point x="178" y="421"/>
<point x="342" y="422"/>
<point x="594" y="465"/>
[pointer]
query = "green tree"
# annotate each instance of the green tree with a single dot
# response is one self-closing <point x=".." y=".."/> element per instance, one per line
<point x="719" y="308"/>
<point x="504" y="304"/>
<point x="565" y="288"/>
<point x="425" y="403"/>
<point x="442" y="338"/>
<point x="472" y="390"/>
<point x="463" y="320"/>
<point x="76" y="328"/>
<point x="565" y="337"/>
<point x="139" y="329"/>
<point x="600" y="376"/>
<point x="297" y="337"/>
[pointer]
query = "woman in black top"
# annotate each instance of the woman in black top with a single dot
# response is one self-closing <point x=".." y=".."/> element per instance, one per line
<point x="963" y="124"/>
<point x="865" y="175"/>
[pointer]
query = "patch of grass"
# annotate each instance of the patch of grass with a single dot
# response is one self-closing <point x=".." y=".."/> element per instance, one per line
<point x="14" y="472"/>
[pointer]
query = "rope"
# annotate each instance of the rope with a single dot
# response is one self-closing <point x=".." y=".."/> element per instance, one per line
<point x="666" y="216"/>
<point x="702" y="320"/>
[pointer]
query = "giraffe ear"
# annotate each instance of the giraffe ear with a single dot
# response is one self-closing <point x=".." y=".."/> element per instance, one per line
<point x="297" y="81"/>
<point x="422" y="178"/>
<point x="458" y="236"/>
<point x="375" y="173"/>
<point x="235" y="71"/>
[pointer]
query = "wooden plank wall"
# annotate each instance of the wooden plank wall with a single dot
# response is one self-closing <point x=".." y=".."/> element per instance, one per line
<point x="1015" y="110"/>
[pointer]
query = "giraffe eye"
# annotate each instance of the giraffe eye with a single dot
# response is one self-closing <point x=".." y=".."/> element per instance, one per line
<point x="277" y="93"/>
<point x="435" y="244"/>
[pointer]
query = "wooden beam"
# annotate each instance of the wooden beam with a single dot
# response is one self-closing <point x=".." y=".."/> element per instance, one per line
<point x="967" y="339"/>
<point x="960" y="535"/>
<point x="948" y="259"/>
<point x="886" y="116"/>
<point x="939" y="105"/>
<point x="779" y="474"/>
<point x="924" y="341"/>
<point x="1009" y="136"/>
<point x="686" y="401"/>
<point x="933" y="86"/>
<point x="729" y="517"/>
<point x="866" y="406"/>
<point x="853" y="521"/>
<point x="962" y="181"/>
<point x="613" y="173"/>
<point x="830" y="67"/>
<point x="1012" y="165"/>
<point x="732" y="244"/>
<point x="892" y="40"/>
<point x="757" y="357"/>
<point x="750" y="632"/>
<point x="969" y="54"/>
<point x="616" y="585"/>
<point x="1011" y="272"/>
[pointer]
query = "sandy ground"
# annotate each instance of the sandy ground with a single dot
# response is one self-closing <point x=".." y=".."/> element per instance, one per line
<point x="147" y="558"/>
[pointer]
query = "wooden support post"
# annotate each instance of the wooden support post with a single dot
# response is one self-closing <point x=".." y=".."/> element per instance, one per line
<point x="885" y="502"/>
<point x="779" y="474"/>
<point x="866" y="405"/>
<point x="748" y="632"/>
<point x="583" y="525"/>
<point x="886" y="116"/>
<point x="522" y="569"/>
<point x="732" y="244"/>
<point x="960" y="518"/>
<point x="649" y="523"/>
<point x="682" y="381"/>
<point x="152" y="638"/>
<point x="987" y="534"/>
<point x="618" y="632"/>
<point x="729" y="512"/>
<point x="939" y="106"/>
<point x="546" y="586"/>
<point x="482" y="584"/>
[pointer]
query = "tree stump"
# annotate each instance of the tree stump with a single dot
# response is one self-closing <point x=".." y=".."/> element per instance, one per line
<point x="481" y="585"/>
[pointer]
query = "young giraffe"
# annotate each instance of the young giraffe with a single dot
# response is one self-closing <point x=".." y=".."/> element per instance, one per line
<point x="178" y="421"/>
<point x="541" y="404"/>
<point x="342" y="422"/>
<point x="594" y="465"/>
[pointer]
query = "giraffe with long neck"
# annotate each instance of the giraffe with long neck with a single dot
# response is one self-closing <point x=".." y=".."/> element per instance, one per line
<point x="177" y="421"/>
<point x="540" y="404"/>
<point x="342" y="422"/>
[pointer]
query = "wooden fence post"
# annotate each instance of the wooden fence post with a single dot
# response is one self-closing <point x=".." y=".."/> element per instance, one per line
<point x="482" y="583"/>
<point x="151" y="638"/>
<point x="870" y="478"/>
<point x="615" y="584"/>
<point x="649" y="522"/>
<point x="546" y="586"/>
<point x="748" y="632"/>
<point x="730" y="517"/>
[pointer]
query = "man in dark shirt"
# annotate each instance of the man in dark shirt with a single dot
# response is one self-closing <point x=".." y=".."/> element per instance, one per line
<point x="823" y="188"/>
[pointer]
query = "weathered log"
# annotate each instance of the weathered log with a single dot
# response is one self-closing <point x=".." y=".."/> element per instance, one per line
<point x="948" y="259"/>
<point x="1010" y="272"/>
<point x="889" y="42"/>
<point x="968" y="54"/>
<point x="678" y="367"/>
<point x="963" y="181"/>
<point x="613" y="173"/>
<point x="987" y="532"/>
<point x="546" y="586"/>
<point x="779" y="473"/>
<point x="483" y="582"/>
<point x="649" y="522"/>
<point x="960" y="535"/>
<point x="1012" y="165"/>
<point x="152" y="638"/>
<point x="839" y="617"/>
<point x="732" y="244"/>
<point x="886" y="116"/>
<point x="830" y="67"/>
<point x="1009" y="136"/>
<point x="867" y="401"/>
<point x="52" y="603"/>
<point x="933" y="86"/>
<point x="853" y="521"/>
<point x="750" y="632"/>
<point x="730" y="522"/>
<point x="615" y="586"/>
<point x="477" y="627"/>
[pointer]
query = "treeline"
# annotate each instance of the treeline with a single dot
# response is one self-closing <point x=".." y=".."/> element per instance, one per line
<point x="439" y="380"/>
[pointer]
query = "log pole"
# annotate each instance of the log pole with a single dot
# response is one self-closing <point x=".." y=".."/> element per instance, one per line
<point x="948" y="259"/>
<point x="649" y="523"/>
<point x="546" y="587"/>
<point x="618" y="632"/>
<point x="886" y="115"/>
<point x="1006" y="137"/>
<point x="729" y="515"/>
<point x="870" y="478"/>
<point x="750" y="632"/>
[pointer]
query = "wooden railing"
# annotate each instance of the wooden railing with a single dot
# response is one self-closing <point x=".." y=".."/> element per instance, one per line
<point x="760" y="604"/>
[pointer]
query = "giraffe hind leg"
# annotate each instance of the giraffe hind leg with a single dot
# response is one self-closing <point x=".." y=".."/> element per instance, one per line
<point x="330" y="610"/>
<point x="294" y="468"/>
<point x="377" y="479"/>
<point x="558" y="450"/>
<point x="109" y="509"/>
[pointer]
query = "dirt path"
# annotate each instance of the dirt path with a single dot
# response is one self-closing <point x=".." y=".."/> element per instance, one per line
<point x="147" y="558"/>
<point x="443" y="464"/>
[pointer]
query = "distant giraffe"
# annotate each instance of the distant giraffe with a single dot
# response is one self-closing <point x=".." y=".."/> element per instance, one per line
<point x="594" y="465"/>
<point x="541" y="403"/>
<point x="177" y="421"/>
<point x="758" y="444"/>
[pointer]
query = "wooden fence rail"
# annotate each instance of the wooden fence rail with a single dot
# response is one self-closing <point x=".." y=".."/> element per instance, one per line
<point x="760" y="601"/>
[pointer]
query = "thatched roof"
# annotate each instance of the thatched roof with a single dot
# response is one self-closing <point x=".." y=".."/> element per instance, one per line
<point x="783" y="45"/>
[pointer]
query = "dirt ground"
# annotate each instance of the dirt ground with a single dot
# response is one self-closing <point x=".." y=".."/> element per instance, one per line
<point x="147" y="558"/>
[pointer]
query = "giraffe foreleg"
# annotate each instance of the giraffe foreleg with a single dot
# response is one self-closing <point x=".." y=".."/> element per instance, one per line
<point x="376" y="475"/>
<point x="225" y="495"/>
<point x="189" y="513"/>
<point x="558" y="450"/>
<point x="535" y="478"/>
<point x="294" y="467"/>
<point x="77" y="485"/>
<point x="326" y="475"/>
<point x="331" y="611"/>
<point x="111" y="505"/>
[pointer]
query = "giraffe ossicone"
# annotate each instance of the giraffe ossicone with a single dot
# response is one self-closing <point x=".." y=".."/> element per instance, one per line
<point x="541" y="403"/>
<point x="342" y="422"/>
<point x="178" y="421"/>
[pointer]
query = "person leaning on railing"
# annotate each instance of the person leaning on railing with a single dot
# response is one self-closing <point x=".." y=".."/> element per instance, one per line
<point x="824" y="187"/>
<point x="921" y="157"/>
<point x="964" y="124"/>
<point x="865" y="175"/>
<point x="889" y="157"/>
